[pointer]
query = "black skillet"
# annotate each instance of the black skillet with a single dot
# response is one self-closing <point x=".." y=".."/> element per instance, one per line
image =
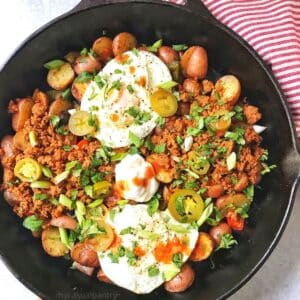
<point x="151" y="20"/>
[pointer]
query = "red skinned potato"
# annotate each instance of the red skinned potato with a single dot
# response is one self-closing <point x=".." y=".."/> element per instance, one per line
<point x="194" y="62"/>
<point x="10" y="198"/>
<point x="8" y="175"/>
<point x="83" y="269"/>
<point x="84" y="255"/>
<point x="21" y="140"/>
<point x="66" y="222"/>
<point x="204" y="247"/>
<point x="167" y="54"/>
<point x="7" y="145"/>
<point x="182" y="281"/>
<point x="52" y="243"/>
<point x="103" y="48"/>
<point x="229" y="89"/>
<point x="102" y="277"/>
<point x="24" y="110"/>
<point x="216" y="232"/>
<point x="59" y="106"/>
<point x="60" y="78"/>
<point x="78" y="89"/>
<point x="87" y="64"/>
<point x="123" y="42"/>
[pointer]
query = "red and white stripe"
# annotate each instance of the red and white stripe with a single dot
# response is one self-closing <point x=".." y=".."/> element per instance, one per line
<point x="272" y="27"/>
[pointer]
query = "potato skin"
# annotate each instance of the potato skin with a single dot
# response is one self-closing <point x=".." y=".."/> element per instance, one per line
<point x="8" y="175"/>
<point x="52" y="244"/>
<point x="204" y="247"/>
<point x="21" y="140"/>
<point x="10" y="198"/>
<point x="123" y="42"/>
<point x="103" y="48"/>
<point x="229" y="89"/>
<point x="102" y="277"/>
<point x="194" y="62"/>
<point x="84" y="255"/>
<point x="59" y="106"/>
<point x="7" y="145"/>
<point x="167" y="54"/>
<point x="59" y="79"/>
<point x="182" y="280"/>
<point x="86" y="64"/>
<point x="78" y="89"/>
<point x="216" y="232"/>
<point x="66" y="222"/>
<point x="83" y="269"/>
<point x="23" y="114"/>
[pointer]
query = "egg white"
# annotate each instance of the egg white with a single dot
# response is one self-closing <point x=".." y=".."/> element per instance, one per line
<point x="107" y="102"/>
<point x="135" y="278"/>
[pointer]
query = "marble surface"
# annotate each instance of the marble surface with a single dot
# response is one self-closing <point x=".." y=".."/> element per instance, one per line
<point x="280" y="276"/>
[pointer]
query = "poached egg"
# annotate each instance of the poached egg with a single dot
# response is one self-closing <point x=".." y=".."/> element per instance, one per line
<point x="150" y="249"/>
<point x="135" y="179"/>
<point x="120" y="97"/>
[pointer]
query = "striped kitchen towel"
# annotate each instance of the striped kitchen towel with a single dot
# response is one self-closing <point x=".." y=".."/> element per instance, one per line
<point x="272" y="27"/>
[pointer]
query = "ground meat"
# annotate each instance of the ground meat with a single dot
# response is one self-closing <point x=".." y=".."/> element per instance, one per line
<point x="251" y="113"/>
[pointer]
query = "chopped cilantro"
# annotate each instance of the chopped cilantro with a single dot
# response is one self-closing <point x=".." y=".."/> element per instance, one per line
<point x="135" y="139"/>
<point x="153" y="204"/>
<point x="267" y="169"/>
<point x="54" y="120"/>
<point x="179" y="140"/>
<point x="160" y="121"/>
<point x="113" y="257"/>
<point x="153" y="271"/>
<point x="84" y="77"/>
<point x="227" y="241"/>
<point x="177" y="259"/>
<point x="237" y="135"/>
<point x="155" y="46"/>
<point x="140" y="117"/>
<point x="130" y="89"/>
<point x="243" y="211"/>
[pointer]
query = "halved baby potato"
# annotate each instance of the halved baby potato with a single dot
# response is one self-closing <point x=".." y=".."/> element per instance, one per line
<point x="103" y="48"/>
<point x="59" y="106"/>
<point x="229" y="89"/>
<point x="78" y="89"/>
<point x="123" y="42"/>
<point x="87" y="64"/>
<point x="23" y="114"/>
<point x="52" y="243"/>
<point x="85" y="255"/>
<point x="204" y="247"/>
<point x="60" y="78"/>
<point x="21" y="140"/>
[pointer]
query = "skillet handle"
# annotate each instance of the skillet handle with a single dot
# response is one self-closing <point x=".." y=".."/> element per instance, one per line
<point x="195" y="6"/>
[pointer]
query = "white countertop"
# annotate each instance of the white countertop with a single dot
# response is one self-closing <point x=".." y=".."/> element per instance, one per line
<point x="280" y="276"/>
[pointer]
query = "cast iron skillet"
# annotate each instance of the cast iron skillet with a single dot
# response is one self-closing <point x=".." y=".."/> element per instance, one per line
<point x="150" y="20"/>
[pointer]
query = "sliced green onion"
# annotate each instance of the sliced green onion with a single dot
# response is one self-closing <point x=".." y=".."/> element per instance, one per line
<point x="135" y="139"/>
<point x="80" y="211"/>
<point x="33" y="139"/>
<point x="118" y="156"/>
<point x="193" y="174"/>
<point x="54" y="64"/>
<point x="70" y="165"/>
<point x="64" y="237"/>
<point x="61" y="177"/>
<point x="65" y="201"/>
<point x="177" y="228"/>
<point x="168" y="85"/>
<point x="205" y="214"/>
<point x="95" y="203"/>
<point x="179" y="47"/>
<point x="169" y="271"/>
<point x="148" y="235"/>
<point x="47" y="172"/>
<point x="40" y="185"/>
<point x="122" y="202"/>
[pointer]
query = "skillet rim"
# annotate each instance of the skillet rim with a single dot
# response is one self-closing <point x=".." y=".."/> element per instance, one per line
<point x="77" y="10"/>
